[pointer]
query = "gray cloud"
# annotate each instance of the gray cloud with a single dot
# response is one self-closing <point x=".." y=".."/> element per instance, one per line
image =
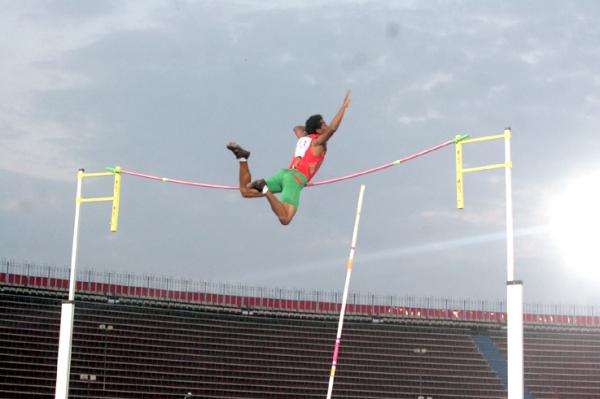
<point x="160" y="88"/>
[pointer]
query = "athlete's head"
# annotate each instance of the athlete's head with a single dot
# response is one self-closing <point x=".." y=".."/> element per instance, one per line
<point x="314" y="123"/>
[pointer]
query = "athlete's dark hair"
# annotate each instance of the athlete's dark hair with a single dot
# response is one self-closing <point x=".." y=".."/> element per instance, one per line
<point x="313" y="123"/>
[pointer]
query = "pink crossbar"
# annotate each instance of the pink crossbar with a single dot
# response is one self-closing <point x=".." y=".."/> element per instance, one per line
<point x="319" y="183"/>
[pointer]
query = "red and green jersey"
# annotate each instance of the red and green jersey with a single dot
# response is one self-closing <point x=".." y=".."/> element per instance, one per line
<point x="304" y="161"/>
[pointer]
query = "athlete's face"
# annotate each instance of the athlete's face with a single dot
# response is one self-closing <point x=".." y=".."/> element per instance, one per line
<point x="323" y="127"/>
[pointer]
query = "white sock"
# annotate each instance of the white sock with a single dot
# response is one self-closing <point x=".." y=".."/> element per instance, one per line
<point x="242" y="160"/>
<point x="265" y="189"/>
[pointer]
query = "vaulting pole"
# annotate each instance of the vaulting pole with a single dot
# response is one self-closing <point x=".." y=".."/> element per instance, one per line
<point x="345" y="296"/>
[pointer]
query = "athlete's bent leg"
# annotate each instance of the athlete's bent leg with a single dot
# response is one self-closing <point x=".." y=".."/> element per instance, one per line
<point x="245" y="178"/>
<point x="285" y="212"/>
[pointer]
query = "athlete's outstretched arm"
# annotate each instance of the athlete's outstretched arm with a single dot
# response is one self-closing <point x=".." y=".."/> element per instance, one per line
<point x="335" y="122"/>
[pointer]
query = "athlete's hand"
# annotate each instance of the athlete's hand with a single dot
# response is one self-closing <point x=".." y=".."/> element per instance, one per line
<point x="347" y="99"/>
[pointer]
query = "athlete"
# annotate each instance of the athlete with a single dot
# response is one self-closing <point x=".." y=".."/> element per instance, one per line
<point x="311" y="149"/>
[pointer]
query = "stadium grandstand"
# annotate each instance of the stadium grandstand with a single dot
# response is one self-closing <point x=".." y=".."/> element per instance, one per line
<point x="149" y="337"/>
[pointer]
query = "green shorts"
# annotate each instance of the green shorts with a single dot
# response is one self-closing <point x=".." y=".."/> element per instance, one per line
<point x="289" y="183"/>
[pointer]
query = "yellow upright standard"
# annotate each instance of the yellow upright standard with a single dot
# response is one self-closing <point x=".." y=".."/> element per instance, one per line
<point x="460" y="171"/>
<point x="65" y="342"/>
<point x="514" y="287"/>
<point x="114" y="220"/>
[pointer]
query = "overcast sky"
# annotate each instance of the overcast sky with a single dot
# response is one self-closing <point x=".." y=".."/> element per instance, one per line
<point x="160" y="86"/>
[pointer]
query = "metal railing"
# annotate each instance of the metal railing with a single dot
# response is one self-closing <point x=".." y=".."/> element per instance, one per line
<point x="18" y="273"/>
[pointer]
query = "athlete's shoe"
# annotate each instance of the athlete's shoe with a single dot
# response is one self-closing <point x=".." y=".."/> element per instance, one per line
<point x="238" y="151"/>
<point x="259" y="185"/>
